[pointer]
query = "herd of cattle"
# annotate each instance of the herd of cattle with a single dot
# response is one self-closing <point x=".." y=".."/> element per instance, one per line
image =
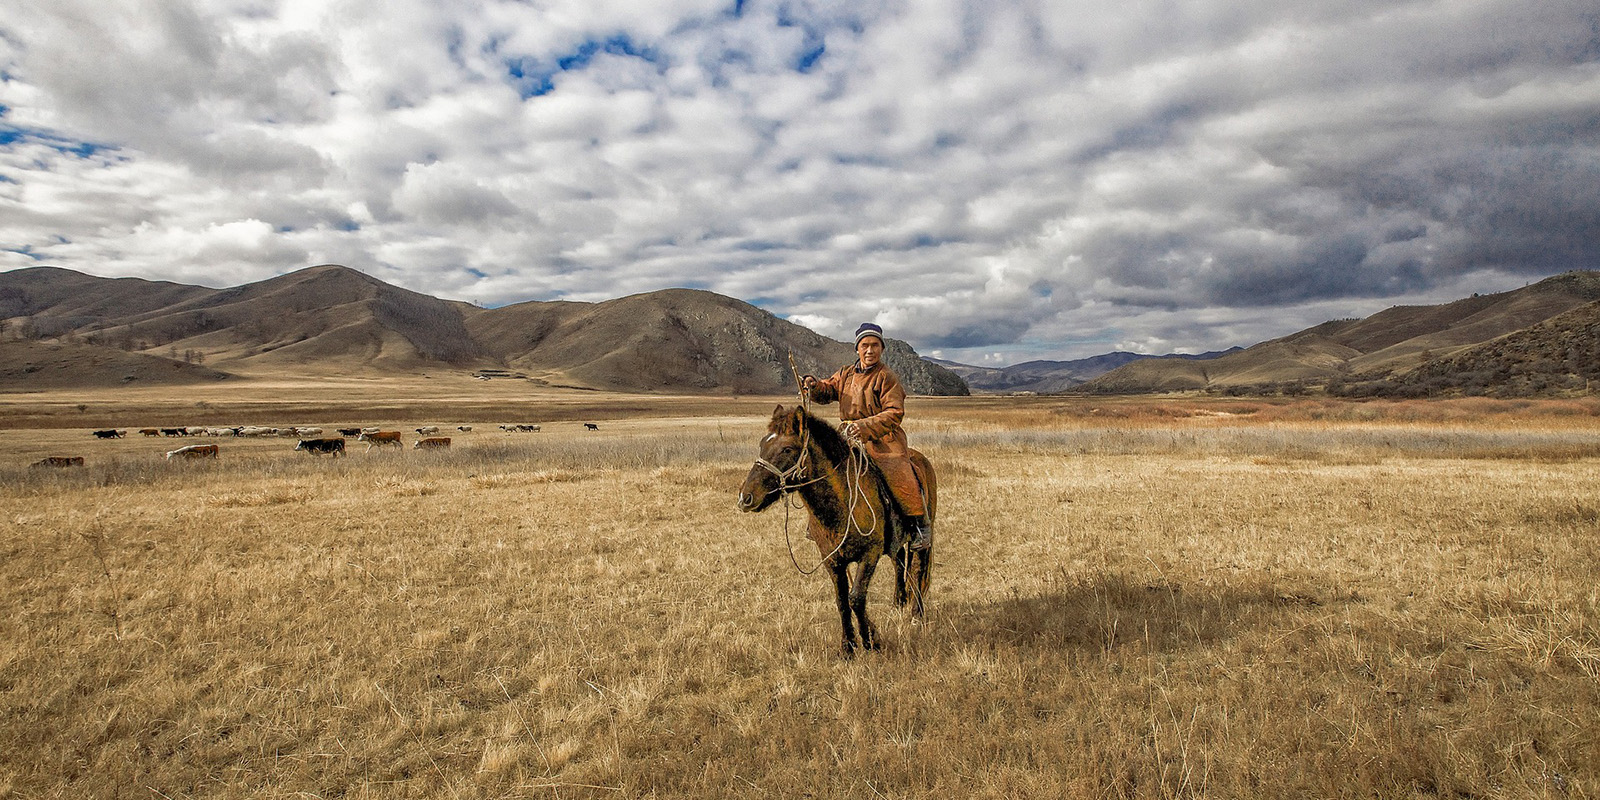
<point x="311" y="440"/>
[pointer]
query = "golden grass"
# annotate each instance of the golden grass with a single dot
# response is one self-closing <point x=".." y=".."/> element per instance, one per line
<point x="1157" y="603"/>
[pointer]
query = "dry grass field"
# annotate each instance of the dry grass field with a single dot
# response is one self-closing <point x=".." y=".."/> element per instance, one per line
<point x="1154" y="598"/>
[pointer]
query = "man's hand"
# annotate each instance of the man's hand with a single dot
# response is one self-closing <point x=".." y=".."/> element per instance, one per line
<point x="808" y="382"/>
<point x="851" y="433"/>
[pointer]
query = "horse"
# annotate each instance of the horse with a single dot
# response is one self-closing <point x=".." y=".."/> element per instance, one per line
<point x="853" y="517"/>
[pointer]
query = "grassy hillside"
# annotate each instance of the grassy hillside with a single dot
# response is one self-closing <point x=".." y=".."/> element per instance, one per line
<point x="331" y="321"/>
<point x="1368" y="355"/>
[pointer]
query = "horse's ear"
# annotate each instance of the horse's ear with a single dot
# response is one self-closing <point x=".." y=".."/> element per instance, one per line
<point x="782" y="422"/>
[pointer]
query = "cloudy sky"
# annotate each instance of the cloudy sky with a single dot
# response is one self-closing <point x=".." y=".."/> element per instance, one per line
<point x="993" y="180"/>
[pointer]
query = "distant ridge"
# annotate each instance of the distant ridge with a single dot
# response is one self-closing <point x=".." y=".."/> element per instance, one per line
<point x="1402" y="350"/>
<point x="331" y="319"/>
<point x="1053" y="377"/>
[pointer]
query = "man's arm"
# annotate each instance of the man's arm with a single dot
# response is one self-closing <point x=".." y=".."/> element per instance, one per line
<point x="822" y="391"/>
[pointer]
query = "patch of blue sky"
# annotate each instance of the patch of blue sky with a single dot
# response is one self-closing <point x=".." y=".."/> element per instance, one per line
<point x="12" y="134"/>
<point x="477" y="273"/>
<point x="809" y="57"/>
<point x="535" y="77"/>
<point x="25" y="250"/>
<point x="815" y="44"/>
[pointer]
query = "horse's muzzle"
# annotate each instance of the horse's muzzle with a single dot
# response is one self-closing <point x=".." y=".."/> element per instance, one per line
<point x="747" y="501"/>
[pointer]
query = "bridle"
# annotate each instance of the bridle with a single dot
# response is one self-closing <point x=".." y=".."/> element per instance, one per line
<point x="794" y="477"/>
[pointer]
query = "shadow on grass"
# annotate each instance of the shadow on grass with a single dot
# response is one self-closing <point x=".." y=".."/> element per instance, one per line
<point x="1108" y="611"/>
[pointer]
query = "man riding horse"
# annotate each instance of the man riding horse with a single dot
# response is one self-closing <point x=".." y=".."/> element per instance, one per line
<point x="871" y="406"/>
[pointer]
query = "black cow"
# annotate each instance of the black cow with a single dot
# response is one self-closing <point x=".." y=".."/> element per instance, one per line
<point x="318" y="447"/>
<point x="110" y="434"/>
<point x="349" y="431"/>
<point x="591" y="426"/>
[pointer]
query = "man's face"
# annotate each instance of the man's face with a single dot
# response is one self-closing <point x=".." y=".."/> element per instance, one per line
<point x="870" y="350"/>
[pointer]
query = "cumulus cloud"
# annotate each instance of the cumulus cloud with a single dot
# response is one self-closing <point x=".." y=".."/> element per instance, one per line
<point x="996" y="181"/>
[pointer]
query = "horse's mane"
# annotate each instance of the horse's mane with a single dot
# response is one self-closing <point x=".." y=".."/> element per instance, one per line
<point x="827" y="437"/>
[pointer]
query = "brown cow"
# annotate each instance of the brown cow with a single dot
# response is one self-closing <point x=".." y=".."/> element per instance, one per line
<point x="194" y="451"/>
<point x="59" y="461"/>
<point x="431" y="443"/>
<point x="381" y="437"/>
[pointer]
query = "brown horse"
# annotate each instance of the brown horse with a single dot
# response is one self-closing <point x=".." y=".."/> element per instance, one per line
<point x="853" y="517"/>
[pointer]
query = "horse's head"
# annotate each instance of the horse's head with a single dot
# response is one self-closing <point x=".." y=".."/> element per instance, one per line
<point x="781" y="462"/>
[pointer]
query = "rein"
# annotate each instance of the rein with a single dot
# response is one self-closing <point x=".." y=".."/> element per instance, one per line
<point x="855" y="472"/>
<point x="855" y="467"/>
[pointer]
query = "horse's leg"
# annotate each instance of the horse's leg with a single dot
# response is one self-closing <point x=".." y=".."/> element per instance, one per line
<point x="841" y="591"/>
<point x="858" y="601"/>
<point x="921" y="576"/>
<point x="900" y="594"/>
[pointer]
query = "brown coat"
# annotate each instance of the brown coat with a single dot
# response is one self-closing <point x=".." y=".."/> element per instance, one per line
<point x="874" y="400"/>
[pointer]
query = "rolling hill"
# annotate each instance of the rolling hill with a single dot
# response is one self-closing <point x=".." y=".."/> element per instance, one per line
<point x="334" y="320"/>
<point x="1372" y="355"/>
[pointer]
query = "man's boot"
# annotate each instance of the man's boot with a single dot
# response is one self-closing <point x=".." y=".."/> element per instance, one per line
<point x="921" y="533"/>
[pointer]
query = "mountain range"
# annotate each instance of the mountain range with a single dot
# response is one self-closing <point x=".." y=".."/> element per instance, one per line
<point x="1052" y="377"/>
<point x="63" y="327"/>
<point x="1540" y="338"/>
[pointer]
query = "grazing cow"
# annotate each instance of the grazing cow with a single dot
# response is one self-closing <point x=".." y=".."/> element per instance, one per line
<point x="591" y="426"/>
<point x="58" y="461"/>
<point x="428" y="429"/>
<point x="150" y="431"/>
<point x="380" y="437"/>
<point x="349" y="431"/>
<point x="308" y="431"/>
<point x="257" y="430"/>
<point x="370" y="430"/>
<point x="194" y="451"/>
<point x="464" y="428"/>
<point x="432" y="443"/>
<point x="317" y="447"/>
<point x="112" y="434"/>
<point x="221" y="431"/>
<point x="174" y="432"/>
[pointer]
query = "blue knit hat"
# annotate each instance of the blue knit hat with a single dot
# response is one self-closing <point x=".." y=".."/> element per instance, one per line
<point x="869" y="329"/>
